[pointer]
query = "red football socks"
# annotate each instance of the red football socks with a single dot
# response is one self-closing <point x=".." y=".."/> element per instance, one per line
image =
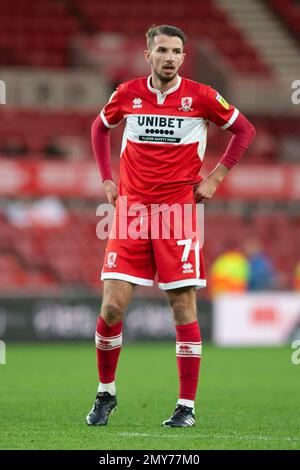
<point x="108" y="347"/>
<point x="188" y="354"/>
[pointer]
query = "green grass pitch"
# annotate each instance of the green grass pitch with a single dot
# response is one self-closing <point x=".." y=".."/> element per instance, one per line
<point x="247" y="399"/>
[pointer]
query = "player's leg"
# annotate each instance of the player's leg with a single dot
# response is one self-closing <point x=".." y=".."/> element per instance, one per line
<point x="188" y="341"/>
<point x="188" y="353"/>
<point x="117" y="295"/>
<point x="116" y="298"/>
<point x="180" y="269"/>
<point x="127" y="262"/>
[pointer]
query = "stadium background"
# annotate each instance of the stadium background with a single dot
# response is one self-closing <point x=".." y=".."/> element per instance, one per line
<point x="60" y="61"/>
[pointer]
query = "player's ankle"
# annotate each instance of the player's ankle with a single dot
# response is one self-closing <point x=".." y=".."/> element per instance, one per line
<point x="185" y="402"/>
<point x="109" y="387"/>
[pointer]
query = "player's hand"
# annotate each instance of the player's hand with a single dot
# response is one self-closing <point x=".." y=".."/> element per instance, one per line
<point x="111" y="191"/>
<point x="205" y="189"/>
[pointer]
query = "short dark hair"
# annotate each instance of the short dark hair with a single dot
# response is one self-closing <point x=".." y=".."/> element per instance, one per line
<point x="164" y="29"/>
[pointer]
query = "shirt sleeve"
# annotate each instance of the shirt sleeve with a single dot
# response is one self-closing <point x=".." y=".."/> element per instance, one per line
<point x="218" y="110"/>
<point x="112" y="113"/>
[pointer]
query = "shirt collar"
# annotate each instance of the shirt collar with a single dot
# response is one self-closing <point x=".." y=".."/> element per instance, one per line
<point x="167" y="92"/>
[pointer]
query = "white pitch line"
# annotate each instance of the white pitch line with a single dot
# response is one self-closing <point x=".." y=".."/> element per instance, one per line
<point x="207" y="436"/>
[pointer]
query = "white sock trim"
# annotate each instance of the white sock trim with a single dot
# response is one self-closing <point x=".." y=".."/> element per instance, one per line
<point x="189" y="403"/>
<point x="110" y="388"/>
<point x="108" y="343"/>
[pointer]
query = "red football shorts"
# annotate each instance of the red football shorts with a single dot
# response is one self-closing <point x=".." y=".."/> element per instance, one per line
<point x="166" y="242"/>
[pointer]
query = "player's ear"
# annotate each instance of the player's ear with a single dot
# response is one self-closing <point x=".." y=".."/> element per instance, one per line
<point x="183" y="57"/>
<point x="147" y="55"/>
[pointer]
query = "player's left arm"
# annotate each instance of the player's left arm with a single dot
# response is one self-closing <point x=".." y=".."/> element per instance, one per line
<point x="227" y="117"/>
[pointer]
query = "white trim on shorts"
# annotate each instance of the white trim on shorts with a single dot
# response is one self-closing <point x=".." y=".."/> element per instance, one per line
<point x="126" y="277"/>
<point x="183" y="283"/>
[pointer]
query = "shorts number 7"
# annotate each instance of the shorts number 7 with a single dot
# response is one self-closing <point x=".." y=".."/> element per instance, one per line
<point x="187" y="247"/>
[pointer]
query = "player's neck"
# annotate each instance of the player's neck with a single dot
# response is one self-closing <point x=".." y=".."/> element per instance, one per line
<point x="163" y="86"/>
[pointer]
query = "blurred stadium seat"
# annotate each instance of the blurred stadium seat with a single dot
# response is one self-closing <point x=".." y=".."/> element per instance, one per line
<point x="37" y="33"/>
<point x="289" y="13"/>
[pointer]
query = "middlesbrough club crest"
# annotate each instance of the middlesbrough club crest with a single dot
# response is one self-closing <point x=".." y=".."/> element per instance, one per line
<point x="111" y="260"/>
<point x="186" y="104"/>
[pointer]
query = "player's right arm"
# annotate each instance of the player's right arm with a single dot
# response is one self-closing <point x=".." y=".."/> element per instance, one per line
<point x="101" y="148"/>
<point x="110" y="116"/>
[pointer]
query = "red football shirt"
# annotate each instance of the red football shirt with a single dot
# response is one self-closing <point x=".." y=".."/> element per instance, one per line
<point x="164" y="139"/>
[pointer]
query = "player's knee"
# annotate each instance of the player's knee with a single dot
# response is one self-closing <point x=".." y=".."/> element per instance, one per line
<point x="112" y="314"/>
<point x="183" y="314"/>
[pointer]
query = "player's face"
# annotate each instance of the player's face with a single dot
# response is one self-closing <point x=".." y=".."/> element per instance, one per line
<point x="165" y="56"/>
